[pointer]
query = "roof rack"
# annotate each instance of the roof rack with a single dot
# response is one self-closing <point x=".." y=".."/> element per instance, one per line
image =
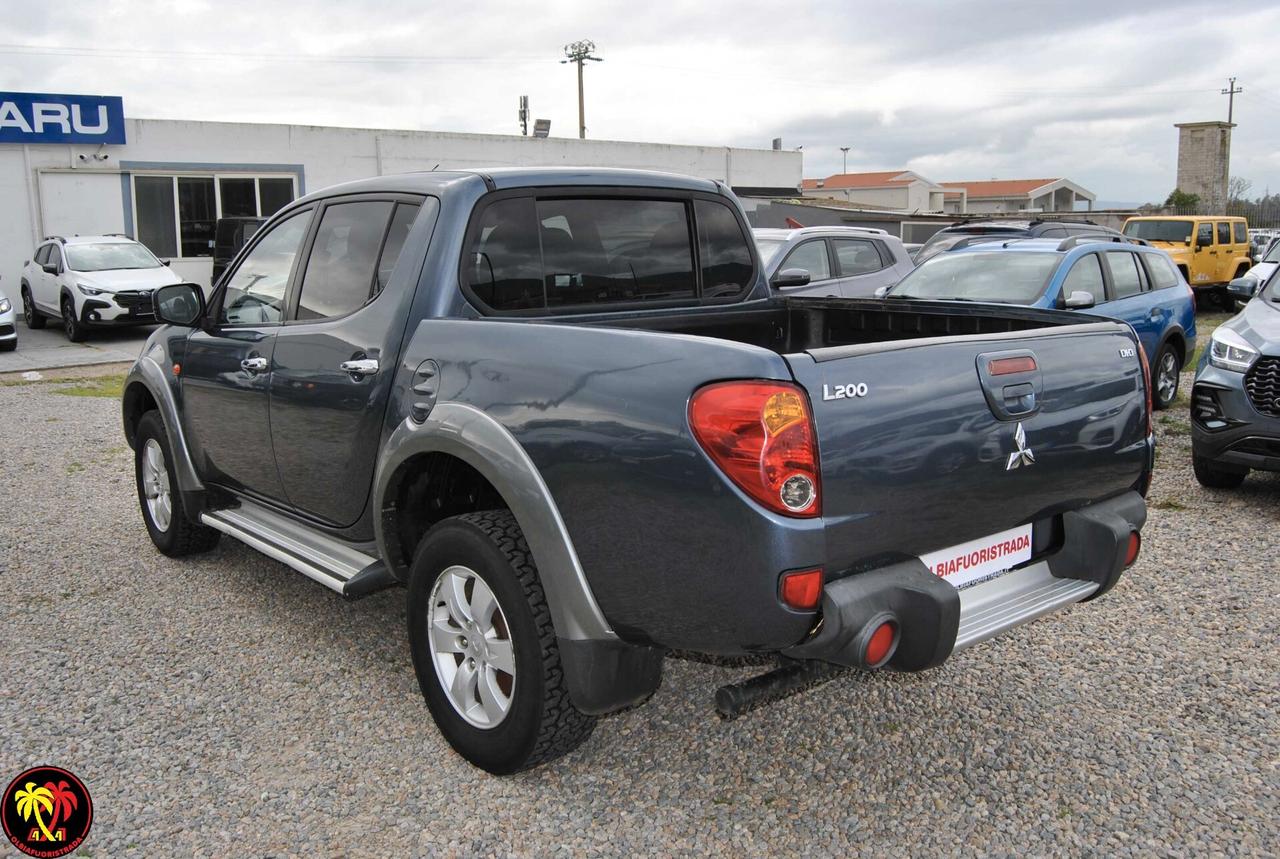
<point x="1071" y="241"/>
<point x="981" y="238"/>
<point x="53" y="239"/>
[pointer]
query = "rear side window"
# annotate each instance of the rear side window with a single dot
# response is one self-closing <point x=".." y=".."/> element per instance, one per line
<point x="857" y="256"/>
<point x="1125" y="278"/>
<point x="397" y="233"/>
<point x="1242" y="234"/>
<point x="527" y="253"/>
<point x="1163" y="274"/>
<point x="724" y="252"/>
<point x="1086" y="276"/>
<point x="339" y="277"/>
<point x="811" y="257"/>
<point x="1224" y="233"/>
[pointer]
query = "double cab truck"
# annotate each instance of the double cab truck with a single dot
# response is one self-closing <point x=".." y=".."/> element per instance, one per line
<point x="565" y="411"/>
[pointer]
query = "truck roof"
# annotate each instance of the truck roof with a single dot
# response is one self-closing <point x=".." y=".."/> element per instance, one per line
<point x="501" y="178"/>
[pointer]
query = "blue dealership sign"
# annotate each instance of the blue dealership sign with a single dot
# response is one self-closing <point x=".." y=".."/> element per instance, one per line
<point x="31" y="117"/>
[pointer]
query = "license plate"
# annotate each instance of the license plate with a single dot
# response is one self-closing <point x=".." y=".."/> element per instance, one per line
<point x="980" y="559"/>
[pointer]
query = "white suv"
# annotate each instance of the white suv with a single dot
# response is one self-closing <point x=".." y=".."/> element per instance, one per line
<point x="91" y="281"/>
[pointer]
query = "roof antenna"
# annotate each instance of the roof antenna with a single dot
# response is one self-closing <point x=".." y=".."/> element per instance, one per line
<point x="433" y="169"/>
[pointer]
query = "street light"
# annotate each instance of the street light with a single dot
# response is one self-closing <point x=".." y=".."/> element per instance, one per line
<point x="845" y="151"/>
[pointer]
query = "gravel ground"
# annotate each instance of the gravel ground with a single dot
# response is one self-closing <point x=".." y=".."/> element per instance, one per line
<point x="226" y="705"/>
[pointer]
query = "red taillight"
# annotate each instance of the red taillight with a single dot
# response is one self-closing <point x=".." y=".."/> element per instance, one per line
<point x="1135" y="546"/>
<point x="880" y="644"/>
<point x="761" y="435"/>
<point x="1146" y="382"/>
<point x="802" y="590"/>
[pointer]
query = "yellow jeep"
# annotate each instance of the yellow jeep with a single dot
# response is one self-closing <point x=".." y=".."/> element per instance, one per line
<point x="1209" y="250"/>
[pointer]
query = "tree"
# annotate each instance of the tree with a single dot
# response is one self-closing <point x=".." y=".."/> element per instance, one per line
<point x="1182" y="200"/>
<point x="1237" y="188"/>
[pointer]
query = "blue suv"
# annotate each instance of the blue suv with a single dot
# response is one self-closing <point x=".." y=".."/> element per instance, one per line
<point x="1112" y="277"/>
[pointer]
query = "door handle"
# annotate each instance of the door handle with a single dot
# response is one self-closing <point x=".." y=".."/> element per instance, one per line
<point x="1155" y="314"/>
<point x="253" y="365"/>
<point x="360" y="367"/>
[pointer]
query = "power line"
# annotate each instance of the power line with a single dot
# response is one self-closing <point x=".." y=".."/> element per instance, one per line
<point x="113" y="53"/>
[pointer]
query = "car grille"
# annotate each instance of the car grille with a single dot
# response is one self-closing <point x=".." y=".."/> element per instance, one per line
<point x="1263" y="386"/>
<point x="136" y="302"/>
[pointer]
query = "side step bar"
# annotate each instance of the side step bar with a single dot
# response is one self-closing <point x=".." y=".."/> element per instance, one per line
<point x="334" y="564"/>
<point x="990" y="608"/>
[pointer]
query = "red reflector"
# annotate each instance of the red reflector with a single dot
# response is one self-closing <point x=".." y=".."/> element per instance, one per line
<point x="177" y="369"/>
<point x="1005" y="366"/>
<point x="1135" y="546"/>
<point x="880" y="645"/>
<point x="802" y="590"/>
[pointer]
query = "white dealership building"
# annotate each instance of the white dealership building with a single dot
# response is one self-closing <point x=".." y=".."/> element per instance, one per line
<point x="76" y="165"/>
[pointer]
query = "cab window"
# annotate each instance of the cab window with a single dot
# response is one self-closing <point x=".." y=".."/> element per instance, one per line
<point x="812" y="257"/>
<point x="1125" y="277"/>
<point x="857" y="256"/>
<point x="1086" y="276"/>
<point x="724" y="251"/>
<point x="1224" y="233"/>
<point x="255" y="292"/>
<point x="1241" y="232"/>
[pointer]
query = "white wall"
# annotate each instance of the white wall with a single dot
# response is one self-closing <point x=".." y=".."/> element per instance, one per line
<point x="324" y="156"/>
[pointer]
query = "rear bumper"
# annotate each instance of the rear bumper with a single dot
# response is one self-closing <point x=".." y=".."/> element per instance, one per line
<point x="934" y="619"/>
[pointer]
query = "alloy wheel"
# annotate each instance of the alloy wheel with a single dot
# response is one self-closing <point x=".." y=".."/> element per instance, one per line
<point x="1167" y="377"/>
<point x="471" y="647"/>
<point x="155" y="485"/>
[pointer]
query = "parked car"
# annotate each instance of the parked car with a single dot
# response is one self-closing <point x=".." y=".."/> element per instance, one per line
<point x="1123" y="280"/>
<point x="849" y="262"/>
<point x="971" y="232"/>
<point x="91" y="282"/>
<point x="1210" y="251"/>
<point x="8" y="326"/>
<point x="1235" y="400"/>
<point x="230" y="235"/>
<point x="567" y="410"/>
<point x="1247" y="285"/>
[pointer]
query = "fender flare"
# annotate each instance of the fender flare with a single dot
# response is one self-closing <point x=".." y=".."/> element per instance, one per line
<point x="146" y="371"/>
<point x="469" y="434"/>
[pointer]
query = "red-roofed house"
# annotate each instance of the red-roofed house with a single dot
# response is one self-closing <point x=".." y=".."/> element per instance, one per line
<point x="894" y="190"/>
<point x="1015" y="195"/>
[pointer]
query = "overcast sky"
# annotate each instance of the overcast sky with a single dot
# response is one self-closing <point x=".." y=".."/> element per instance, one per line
<point x="1087" y="90"/>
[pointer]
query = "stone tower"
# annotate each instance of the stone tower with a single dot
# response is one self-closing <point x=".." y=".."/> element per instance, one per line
<point x="1204" y="162"/>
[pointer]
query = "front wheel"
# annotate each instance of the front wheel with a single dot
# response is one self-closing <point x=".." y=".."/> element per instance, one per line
<point x="74" y="328"/>
<point x="1168" y="373"/>
<point x="1216" y="476"/>
<point x="161" y="502"/>
<point x="484" y="647"/>
<point x="34" y="318"/>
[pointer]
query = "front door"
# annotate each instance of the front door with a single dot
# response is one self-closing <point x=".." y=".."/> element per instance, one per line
<point x="46" y="287"/>
<point x="226" y="372"/>
<point x="335" y="359"/>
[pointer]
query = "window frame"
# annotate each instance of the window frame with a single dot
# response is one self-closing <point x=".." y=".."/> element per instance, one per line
<point x="877" y="246"/>
<point x="826" y="246"/>
<point x="175" y="175"/>
<point x="293" y="291"/>
<point x="684" y="196"/>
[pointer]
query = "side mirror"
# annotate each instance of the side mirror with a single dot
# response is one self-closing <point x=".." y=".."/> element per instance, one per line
<point x="50" y="268"/>
<point x="1243" y="287"/>
<point x="1079" y="300"/>
<point x="165" y="261"/>
<point x="790" y="278"/>
<point x="178" y="304"/>
<point x="881" y="291"/>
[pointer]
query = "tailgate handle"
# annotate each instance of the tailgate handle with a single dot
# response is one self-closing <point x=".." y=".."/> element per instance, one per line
<point x="1011" y="382"/>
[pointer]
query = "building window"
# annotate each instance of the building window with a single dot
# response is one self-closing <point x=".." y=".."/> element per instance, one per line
<point x="177" y="216"/>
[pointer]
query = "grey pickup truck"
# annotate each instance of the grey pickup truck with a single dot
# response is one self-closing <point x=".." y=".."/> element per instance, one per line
<point x="563" y="408"/>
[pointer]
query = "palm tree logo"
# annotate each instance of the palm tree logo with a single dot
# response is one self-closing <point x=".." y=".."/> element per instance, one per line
<point x="64" y="799"/>
<point x="32" y="801"/>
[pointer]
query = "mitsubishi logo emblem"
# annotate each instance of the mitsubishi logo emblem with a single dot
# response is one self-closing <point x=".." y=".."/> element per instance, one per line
<point x="1023" y="455"/>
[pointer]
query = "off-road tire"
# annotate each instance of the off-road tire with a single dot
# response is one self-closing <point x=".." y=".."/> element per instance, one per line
<point x="1216" y="476"/>
<point x="542" y="723"/>
<point x="74" y="329"/>
<point x="30" y="313"/>
<point x="183" y="537"/>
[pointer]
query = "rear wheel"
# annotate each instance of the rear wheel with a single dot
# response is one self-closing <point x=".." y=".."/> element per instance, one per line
<point x="158" y="496"/>
<point x="75" y="330"/>
<point x="1216" y="476"/>
<point x="1168" y="373"/>
<point x="484" y="647"/>
<point x="34" y="318"/>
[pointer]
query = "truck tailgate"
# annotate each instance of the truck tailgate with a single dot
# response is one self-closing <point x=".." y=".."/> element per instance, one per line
<point x="919" y="439"/>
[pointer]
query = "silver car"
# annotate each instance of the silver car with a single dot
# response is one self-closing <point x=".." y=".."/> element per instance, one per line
<point x="838" y="262"/>
<point x="8" y="331"/>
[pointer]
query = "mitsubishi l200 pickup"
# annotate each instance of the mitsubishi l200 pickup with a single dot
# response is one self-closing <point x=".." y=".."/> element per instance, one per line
<point x="563" y="409"/>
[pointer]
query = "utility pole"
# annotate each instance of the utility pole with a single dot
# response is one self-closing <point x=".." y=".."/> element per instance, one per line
<point x="579" y="52"/>
<point x="845" y="151"/>
<point x="1230" y="92"/>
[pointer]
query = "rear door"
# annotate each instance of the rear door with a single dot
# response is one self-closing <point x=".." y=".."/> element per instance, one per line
<point x="335" y="359"/>
<point x="1130" y="298"/>
<point x="1225" y="262"/>
<point x="925" y="452"/>
<point x="862" y="266"/>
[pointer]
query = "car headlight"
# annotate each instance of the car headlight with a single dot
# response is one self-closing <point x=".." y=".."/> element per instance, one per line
<point x="5" y="306"/>
<point x="89" y="290"/>
<point x="1229" y="351"/>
